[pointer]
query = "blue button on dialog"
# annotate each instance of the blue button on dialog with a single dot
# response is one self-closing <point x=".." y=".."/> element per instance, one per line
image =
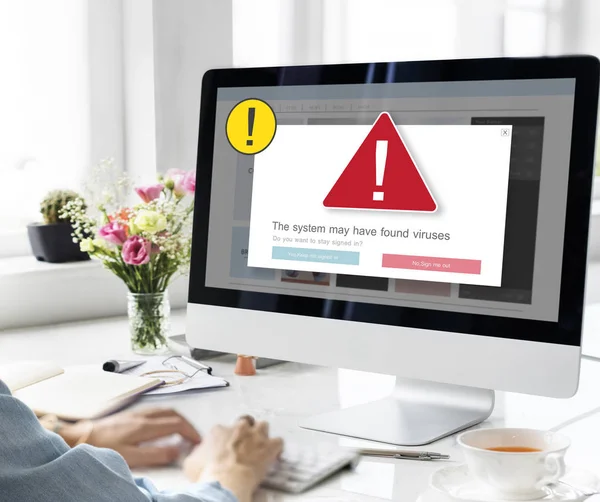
<point x="316" y="255"/>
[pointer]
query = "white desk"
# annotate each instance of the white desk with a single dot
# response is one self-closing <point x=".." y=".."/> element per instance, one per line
<point x="283" y="394"/>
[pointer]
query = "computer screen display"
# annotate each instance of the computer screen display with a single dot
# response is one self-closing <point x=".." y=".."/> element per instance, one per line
<point x="447" y="196"/>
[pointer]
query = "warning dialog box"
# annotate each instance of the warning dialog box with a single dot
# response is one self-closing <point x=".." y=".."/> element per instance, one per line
<point x="421" y="202"/>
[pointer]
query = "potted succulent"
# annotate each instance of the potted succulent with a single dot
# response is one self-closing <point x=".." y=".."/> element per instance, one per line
<point x="52" y="240"/>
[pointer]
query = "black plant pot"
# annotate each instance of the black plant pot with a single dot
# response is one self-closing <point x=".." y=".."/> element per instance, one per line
<point x="54" y="243"/>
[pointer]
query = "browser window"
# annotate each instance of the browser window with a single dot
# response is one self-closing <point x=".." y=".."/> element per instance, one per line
<point x="471" y="221"/>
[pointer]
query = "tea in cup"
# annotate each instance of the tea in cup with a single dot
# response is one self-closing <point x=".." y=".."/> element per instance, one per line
<point x="515" y="464"/>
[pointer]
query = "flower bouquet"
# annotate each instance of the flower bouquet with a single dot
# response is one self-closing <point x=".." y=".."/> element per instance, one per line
<point x="146" y="244"/>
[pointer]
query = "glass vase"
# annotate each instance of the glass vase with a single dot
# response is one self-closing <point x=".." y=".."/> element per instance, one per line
<point x="149" y="322"/>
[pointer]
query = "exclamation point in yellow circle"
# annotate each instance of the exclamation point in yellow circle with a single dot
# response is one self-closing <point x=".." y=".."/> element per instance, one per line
<point x="251" y="126"/>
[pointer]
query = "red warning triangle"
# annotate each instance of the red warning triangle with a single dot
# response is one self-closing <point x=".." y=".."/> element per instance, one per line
<point x="381" y="175"/>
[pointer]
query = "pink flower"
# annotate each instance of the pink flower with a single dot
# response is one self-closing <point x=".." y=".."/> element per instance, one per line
<point x="113" y="232"/>
<point x="188" y="183"/>
<point x="150" y="192"/>
<point x="175" y="175"/>
<point x="174" y="178"/>
<point x="136" y="251"/>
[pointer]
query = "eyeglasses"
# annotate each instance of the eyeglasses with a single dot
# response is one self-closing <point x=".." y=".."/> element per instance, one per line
<point x="178" y="363"/>
<point x="175" y="365"/>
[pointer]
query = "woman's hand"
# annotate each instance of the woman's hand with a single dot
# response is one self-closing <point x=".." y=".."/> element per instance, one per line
<point x="238" y="457"/>
<point x="126" y="431"/>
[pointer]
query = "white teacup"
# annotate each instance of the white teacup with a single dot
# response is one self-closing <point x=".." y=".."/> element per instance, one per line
<point x="512" y="475"/>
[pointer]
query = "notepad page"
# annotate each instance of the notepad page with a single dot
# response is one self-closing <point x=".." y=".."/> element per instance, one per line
<point x="83" y="393"/>
<point x="25" y="373"/>
<point x="200" y="381"/>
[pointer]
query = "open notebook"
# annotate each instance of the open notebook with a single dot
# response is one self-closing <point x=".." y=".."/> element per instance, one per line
<point x="73" y="393"/>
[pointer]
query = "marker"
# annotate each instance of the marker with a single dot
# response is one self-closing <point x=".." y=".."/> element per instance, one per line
<point x="114" y="366"/>
<point x="197" y="364"/>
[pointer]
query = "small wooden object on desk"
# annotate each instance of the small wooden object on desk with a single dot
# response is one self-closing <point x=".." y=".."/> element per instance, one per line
<point x="244" y="366"/>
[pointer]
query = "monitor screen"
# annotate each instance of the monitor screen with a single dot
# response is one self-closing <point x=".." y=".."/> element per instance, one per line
<point x="447" y="196"/>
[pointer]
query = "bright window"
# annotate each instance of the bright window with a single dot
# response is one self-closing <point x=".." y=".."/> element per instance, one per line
<point x="387" y="31"/>
<point x="524" y="32"/>
<point x="44" y="124"/>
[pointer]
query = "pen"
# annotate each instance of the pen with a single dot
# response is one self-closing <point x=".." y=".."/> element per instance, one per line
<point x="404" y="454"/>
<point x="197" y="365"/>
<point x="115" y="366"/>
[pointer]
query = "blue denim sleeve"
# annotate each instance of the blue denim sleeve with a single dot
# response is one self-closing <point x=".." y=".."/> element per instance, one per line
<point x="37" y="466"/>
<point x="205" y="492"/>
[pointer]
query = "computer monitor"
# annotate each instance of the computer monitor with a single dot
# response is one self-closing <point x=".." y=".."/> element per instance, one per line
<point x="423" y="219"/>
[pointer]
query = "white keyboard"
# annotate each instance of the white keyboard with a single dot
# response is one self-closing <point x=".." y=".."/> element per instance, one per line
<point x="302" y="467"/>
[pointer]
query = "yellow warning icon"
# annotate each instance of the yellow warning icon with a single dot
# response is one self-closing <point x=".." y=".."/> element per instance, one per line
<point x="251" y="126"/>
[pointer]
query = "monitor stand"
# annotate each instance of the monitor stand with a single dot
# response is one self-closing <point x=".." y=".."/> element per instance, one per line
<point x="417" y="413"/>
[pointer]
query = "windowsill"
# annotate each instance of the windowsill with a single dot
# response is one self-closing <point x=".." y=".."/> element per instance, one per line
<point x="21" y="265"/>
<point x="14" y="243"/>
<point x="34" y="293"/>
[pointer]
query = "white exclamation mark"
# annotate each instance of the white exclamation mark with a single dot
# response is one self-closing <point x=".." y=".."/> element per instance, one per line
<point x="380" y="160"/>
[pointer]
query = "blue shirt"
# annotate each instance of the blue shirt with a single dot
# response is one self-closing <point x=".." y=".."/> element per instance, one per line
<point x="38" y="466"/>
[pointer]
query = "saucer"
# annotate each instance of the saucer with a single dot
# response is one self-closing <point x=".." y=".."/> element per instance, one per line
<point x="457" y="483"/>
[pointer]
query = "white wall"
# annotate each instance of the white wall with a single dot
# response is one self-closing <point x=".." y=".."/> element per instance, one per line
<point x="168" y="45"/>
<point x="190" y="37"/>
<point x="105" y="39"/>
<point x="589" y="32"/>
<point x="480" y="28"/>
<point x="138" y="89"/>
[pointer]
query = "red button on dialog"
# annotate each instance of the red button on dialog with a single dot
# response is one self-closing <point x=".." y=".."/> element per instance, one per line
<point x="433" y="264"/>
